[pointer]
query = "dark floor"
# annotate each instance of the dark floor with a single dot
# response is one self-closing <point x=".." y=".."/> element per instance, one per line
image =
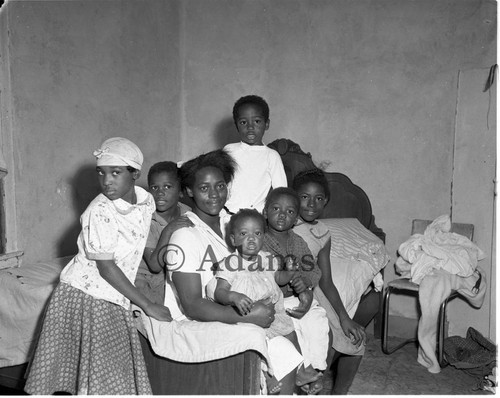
<point x="395" y="374"/>
<point x="401" y="374"/>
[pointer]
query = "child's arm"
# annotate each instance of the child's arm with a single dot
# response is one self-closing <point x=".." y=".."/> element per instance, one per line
<point x="350" y="328"/>
<point x="189" y="288"/>
<point x="305" y="298"/>
<point x="112" y="274"/>
<point x="285" y="275"/>
<point x="309" y="275"/>
<point x="309" y="269"/>
<point x="278" y="175"/>
<point x="155" y="260"/>
<point x="224" y="295"/>
<point x="148" y="252"/>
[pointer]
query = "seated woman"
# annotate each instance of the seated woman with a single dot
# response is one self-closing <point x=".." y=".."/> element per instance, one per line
<point x="348" y="336"/>
<point x="189" y="254"/>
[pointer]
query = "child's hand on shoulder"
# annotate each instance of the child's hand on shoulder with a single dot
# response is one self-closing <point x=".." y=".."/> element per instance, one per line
<point x="172" y="226"/>
<point x="178" y="223"/>
<point x="243" y="303"/>
<point x="159" y="312"/>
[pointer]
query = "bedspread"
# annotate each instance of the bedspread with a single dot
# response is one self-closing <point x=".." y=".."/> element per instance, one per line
<point x="24" y="293"/>
<point x="357" y="256"/>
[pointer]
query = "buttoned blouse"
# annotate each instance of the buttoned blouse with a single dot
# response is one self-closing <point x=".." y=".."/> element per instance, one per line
<point x="111" y="230"/>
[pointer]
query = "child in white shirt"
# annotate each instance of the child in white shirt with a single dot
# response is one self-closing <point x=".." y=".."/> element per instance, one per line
<point x="259" y="167"/>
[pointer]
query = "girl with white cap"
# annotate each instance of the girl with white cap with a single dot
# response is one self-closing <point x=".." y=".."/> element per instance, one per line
<point x="89" y="343"/>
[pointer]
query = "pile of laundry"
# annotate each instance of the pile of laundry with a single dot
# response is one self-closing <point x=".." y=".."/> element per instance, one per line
<point x="440" y="262"/>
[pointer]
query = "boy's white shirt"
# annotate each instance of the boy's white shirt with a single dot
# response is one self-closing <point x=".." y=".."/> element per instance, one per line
<point x="259" y="169"/>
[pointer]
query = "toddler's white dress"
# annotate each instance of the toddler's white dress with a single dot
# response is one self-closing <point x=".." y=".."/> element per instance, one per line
<point x="255" y="279"/>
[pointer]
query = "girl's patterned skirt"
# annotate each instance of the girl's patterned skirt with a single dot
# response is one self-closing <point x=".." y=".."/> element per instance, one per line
<point x="87" y="346"/>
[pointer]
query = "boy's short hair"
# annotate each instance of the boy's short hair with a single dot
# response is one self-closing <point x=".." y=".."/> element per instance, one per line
<point x="313" y="175"/>
<point x="220" y="159"/>
<point x="282" y="191"/>
<point x="254" y="100"/>
<point x="242" y="214"/>
<point x="164" y="167"/>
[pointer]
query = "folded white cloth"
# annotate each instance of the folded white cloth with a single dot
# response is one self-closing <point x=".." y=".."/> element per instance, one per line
<point x="192" y="341"/>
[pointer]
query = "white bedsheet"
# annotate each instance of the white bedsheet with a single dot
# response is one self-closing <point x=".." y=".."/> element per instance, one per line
<point x="24" y="294"/>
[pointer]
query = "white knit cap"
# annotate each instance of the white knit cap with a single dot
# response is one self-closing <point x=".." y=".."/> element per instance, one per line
<point x="118" y="151"/>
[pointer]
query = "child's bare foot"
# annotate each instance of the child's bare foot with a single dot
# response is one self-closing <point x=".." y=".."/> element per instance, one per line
<point x="314" y="387"/>
<point x="273" y="385"/>
<point x="306" y="375"/>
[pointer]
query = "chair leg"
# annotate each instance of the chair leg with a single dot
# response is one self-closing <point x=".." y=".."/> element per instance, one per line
<point x="385" y="326"/>
<point x="385" y="320"/>
<point x="441" y="329"/>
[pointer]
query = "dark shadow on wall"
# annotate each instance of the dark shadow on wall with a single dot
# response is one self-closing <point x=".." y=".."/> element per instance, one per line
<point x="225" y="132"/>
<point x="85" y="187"/>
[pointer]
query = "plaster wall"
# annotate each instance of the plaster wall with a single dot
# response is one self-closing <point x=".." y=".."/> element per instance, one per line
<point x="368" y="87"/>
<point x="81" y="72"/>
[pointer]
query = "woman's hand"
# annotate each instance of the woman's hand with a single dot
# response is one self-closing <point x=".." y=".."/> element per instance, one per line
<point x="262" y="314"/>
<point x="354" y="331"/>
<point x="158" y="311"/>
<point x="305" y="299"/>
<point x="243" y="303"/>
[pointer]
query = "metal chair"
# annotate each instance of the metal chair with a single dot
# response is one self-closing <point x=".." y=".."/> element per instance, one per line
<point x="404" y="285"/>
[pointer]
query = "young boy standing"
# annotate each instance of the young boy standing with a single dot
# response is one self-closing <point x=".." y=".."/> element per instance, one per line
<point x="259" y="167"/>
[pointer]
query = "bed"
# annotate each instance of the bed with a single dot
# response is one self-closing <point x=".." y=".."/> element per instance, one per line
<point x="25" y="292"/>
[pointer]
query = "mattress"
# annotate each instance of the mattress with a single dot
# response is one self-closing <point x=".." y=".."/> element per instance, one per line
<point x="24" y="294"/>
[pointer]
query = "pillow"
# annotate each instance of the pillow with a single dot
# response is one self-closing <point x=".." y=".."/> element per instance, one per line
<point x="351" y="240"/>
<point x="356" y="256"/>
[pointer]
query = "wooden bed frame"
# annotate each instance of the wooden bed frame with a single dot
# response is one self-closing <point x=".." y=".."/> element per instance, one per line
<point x="240" y="374"/>
<point x="347" y="200"/>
